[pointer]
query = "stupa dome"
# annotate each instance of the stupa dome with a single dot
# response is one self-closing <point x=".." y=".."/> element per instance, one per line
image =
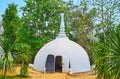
<point x="62" y="55"/>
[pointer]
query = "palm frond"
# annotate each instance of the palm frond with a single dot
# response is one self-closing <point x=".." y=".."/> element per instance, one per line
<point x="107" y="56"/>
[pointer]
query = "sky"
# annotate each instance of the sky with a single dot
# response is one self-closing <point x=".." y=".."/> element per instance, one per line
<point x="4" y="5"/>
<point x="20" y="3"/>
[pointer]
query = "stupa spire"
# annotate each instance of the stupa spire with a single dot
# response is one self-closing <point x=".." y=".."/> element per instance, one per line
<point x="62" y="26"/>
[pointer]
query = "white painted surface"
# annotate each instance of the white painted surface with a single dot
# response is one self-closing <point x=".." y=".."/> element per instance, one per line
<point x="69" y="50"/>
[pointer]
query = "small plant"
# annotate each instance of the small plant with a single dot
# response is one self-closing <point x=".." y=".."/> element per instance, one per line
<point x="24" y="71"/>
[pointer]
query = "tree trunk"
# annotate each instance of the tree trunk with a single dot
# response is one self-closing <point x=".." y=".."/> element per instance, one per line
<point x="5" y="72"/>
<point x="23" y="63"/>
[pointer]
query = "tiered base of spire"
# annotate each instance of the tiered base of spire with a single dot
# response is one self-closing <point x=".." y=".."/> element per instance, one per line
<point x="62" y="28"/>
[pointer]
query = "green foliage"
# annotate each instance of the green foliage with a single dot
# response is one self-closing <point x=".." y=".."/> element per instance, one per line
<point x="83" y="25"/>
<point x="6" y="62"/>
<point x="10" y="23"/>
<point x="107" y="55"/>
<point x="24" y="71"/>
<point x="34" y="31"/>
<point x="23" y="53"/>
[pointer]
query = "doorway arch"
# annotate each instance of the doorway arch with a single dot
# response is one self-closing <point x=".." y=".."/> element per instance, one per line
<point x="58" y="64"/>
<point x="50" y="63"/>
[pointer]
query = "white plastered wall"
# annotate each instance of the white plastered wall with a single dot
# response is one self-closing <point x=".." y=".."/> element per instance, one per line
<point x="69" y="50"/>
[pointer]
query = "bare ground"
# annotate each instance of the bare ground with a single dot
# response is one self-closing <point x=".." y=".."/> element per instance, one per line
<point x="38" y="75"/>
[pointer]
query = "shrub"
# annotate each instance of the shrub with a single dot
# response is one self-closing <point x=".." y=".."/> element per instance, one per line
<point x="24" y="71"/>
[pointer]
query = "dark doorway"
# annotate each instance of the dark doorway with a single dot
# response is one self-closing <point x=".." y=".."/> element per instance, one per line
<point x="50" y="63"/>
<point x="58" y="64"/>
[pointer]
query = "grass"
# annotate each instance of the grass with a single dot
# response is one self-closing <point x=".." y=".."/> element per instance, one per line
<point x="15" y="77"/>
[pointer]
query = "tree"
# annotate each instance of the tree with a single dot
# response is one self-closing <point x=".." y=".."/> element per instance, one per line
<point x="35" y="14"/>
<point x="21" y="45"/>
<point x="83" y="24"/>
<point x="10" y="23"/>
<point x="107" y="55"/>
<point x="106" y="19"/>
<point x="108" y="13"/>
<point x="24" y="54"/>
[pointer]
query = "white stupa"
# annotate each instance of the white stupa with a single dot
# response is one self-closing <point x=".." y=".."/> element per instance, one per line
<point x="62" y="55"/>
